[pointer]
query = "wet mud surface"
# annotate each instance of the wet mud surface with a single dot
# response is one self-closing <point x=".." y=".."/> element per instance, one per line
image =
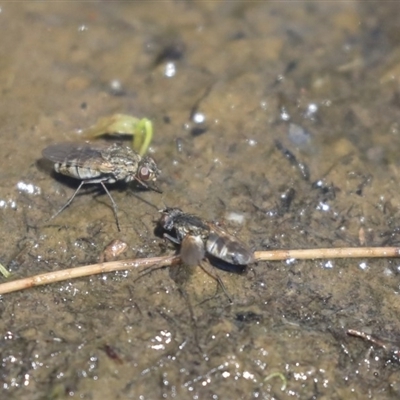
<point x="280" y="120"/>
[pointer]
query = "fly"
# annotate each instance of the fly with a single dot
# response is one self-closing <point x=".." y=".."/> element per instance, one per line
<point x="200" y="239"/>
<point x="102" y="165"/>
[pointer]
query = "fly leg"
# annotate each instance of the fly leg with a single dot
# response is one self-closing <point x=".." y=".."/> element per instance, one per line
<point x="153" y="187"/>
<point x="114" y="204"/>
<point x="171" y="238"/>
<point x="68" y="202"/>
<point x="210" y="270"/>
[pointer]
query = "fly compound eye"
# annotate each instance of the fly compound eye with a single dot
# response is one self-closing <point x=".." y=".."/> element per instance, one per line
<point x="144" y="174"/>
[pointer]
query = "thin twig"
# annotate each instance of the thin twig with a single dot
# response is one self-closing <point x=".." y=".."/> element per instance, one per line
<point x="367" y="337"/>
<point x="86" y="270"/>
<point x="142" y="263"/>
<point x="340" y="252"/>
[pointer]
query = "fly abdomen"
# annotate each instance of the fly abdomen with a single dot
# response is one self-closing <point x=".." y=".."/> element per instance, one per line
<point x="228" y="250"/>
<point x="78" y="172"/>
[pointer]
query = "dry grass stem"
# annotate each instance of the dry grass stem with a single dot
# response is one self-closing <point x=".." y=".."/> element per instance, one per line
<point x="78" y="272"/>
<point x="142" y="263"/>
<point x="340" y="252"/>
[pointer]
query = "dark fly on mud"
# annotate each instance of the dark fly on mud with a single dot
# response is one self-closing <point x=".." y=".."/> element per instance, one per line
<point x="101" y="164"/>
<point x="200" y="240"/>
<point x="208" y="237"/>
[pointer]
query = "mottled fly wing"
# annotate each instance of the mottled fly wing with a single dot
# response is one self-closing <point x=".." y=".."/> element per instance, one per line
<point x="73" y="153"/>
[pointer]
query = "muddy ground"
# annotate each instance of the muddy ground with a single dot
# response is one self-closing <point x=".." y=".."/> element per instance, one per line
<point x="298" y="148"/>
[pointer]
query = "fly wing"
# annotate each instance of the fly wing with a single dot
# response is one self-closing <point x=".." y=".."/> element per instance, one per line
<point x="76" y="154"/>
<point x="192" y="250"/>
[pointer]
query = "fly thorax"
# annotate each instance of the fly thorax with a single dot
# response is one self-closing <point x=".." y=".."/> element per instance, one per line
<point x="125" y="172"/>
